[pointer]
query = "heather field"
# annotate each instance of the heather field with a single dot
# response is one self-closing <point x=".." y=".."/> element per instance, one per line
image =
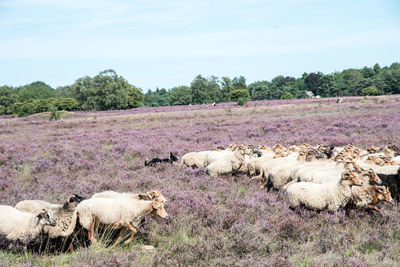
<point x="228" y="221"/>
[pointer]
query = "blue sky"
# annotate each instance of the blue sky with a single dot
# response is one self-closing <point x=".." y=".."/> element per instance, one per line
<point x="167" y="43"/>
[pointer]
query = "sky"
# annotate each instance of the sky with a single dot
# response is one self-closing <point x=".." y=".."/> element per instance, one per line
<point x="163" y="44"/>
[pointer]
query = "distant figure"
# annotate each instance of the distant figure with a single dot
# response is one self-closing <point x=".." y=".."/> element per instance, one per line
<point x="171" y="159"/>
<point x="204" y="104"/>
<point x="339" y="100"/>
<point x="214" y="104"/>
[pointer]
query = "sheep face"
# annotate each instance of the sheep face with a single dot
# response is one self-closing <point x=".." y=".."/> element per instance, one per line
<point x="373" y="149"/>
<point x="159" y="210"/>
<point x="231" y="147"/>
<point x="302" y="155"/>
<point x="278" y="147"/>
<point x="264" y="147"/>
<point x="383" y="194"/>
<point x="244" y="150"/>
<point x="352" y="178"/>
<point x="371" y="176"/>
<point x="279" y="154"/>
<point x="44" y="218"/>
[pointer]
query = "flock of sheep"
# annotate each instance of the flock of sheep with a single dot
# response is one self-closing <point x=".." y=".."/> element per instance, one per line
<point x="318" y="178"/>
<point x="123" y="211"/>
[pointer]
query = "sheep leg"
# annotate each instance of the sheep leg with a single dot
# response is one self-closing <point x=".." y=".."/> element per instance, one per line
<point x="91" y="232"/>
<point x="117" y="241"/>
<point x="116" y="225"/>
<point x="134" y="231"/>
<point x="373" y="207"/>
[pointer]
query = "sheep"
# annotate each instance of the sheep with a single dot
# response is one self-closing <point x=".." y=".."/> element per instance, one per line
<point x="18" y="225"/>
<point x="227" y="164"/>
<point x="254" y="165"/>
<point x="151" y="195"/>
<point x="368" y="196"/>
<point x="328" y="196"/>
<point x="219" y="155"/>
<point x="194" y="159"/>
<point x="390" y="176"/>
<point x="33" y="206"/>
<point x="278" y="161"/>
<point x="120" y="211"/>
<point x="65" y="214"/>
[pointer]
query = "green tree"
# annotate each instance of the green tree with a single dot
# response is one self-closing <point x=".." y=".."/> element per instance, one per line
<point x="240" y="94"/>
<point x="181" y="95"/>
<point x="287" y="95"/>
<point x="66" y="103"/>
<point x="213" y="90"/>
<point x="259" y="90"/>
<point x="106" y="91"/>
<point x="239" y="83"/>
<point x="371" y="90"/>
<point x="199" y="90"/>
<point x="7" y="98"/>
<point x="35" y="90"/>
<point x="226" y="89"/>
<point x="313" y="82"/>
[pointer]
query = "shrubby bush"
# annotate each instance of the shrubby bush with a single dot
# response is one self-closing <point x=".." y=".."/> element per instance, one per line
<point x="287" y="95"/>
<point x="370" y="90"/>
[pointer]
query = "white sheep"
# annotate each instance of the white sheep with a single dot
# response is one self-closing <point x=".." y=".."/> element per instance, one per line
<point x="254" y="165"/>
<point x="18" y="225"/>
<point x="151" y="195"/>
<point x="121" y="211"/>
<point x="226" y="165"/>
<point x="216" y="155"/>
<point x="194" y="159"/>
<point x="329" y="196"/>
<point x="293" y="158"/>
<point x="64" y="215"/>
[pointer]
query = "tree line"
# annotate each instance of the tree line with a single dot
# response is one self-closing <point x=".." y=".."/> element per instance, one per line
<point x="108" y="91"/>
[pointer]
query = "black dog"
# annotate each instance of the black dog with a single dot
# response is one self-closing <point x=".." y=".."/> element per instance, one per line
<point x="171" y="159"/>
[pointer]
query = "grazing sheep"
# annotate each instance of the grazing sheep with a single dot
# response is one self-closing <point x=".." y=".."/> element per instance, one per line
<point x="64" y="215"/>
<point x="227" y="164"/>
<point x="120" y="211"/>
<point x="18" y="225"/>
<point x="328" y="196"/>
<point x="368" y="196"/>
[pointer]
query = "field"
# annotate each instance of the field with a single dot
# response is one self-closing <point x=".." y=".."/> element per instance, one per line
<point x="228" y="221"/>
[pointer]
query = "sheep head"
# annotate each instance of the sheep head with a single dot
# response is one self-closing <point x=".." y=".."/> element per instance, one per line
<point x="73" y="201"/>
<point x="383" y="194"/>
<point x="44" y="218"/>
<point x="352" y="178"/>
<point x="264" y="147"/>
<point x="159" y="210"/>
<point x="371" y="176"/>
